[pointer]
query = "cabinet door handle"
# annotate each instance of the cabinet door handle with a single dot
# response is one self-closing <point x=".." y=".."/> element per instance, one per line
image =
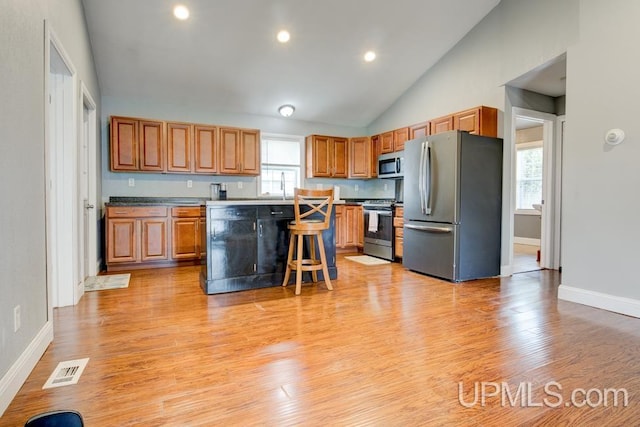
<point x="277" y="213"/>
<point x="260" y="232"/>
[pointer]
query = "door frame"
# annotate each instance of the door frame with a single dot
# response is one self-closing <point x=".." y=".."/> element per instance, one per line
<point x="61" y="181"/>
<point x="89" y="256"/>
<point x="549" y="234"/>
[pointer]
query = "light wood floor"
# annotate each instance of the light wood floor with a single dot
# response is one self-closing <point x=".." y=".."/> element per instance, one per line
<point x="387" y="347"/>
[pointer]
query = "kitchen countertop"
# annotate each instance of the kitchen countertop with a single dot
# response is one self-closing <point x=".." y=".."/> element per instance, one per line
<point x="200" y="201"/>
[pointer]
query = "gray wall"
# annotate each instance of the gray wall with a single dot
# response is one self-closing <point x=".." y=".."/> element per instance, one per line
<point x="22" y="173"/>
<point x="527" y="226"/>
<point x="517" y="36"/>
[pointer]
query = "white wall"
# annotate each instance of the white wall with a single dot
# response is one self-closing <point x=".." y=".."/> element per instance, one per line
<point x="22" y="173"/>
<point x="600" y="183"/>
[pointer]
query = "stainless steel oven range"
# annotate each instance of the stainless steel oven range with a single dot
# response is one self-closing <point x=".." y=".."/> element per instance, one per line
<point x="378" y="228"/>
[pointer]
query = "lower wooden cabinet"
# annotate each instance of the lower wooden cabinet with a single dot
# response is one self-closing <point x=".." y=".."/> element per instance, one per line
<point x="147" y="236"/>
<point x="349" y="226"/>
<point x="398" y="224"/>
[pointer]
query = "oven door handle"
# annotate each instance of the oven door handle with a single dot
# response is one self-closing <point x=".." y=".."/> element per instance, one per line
<point x="380" y="213"/>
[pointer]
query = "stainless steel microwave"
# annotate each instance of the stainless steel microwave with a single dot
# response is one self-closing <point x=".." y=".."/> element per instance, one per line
<point x="391" y="165"/>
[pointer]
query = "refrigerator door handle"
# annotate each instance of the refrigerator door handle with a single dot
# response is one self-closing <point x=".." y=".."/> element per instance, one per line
<point x="429" y="228"/>
<point x="427" y="179"/>
<point x="420" y="180"/>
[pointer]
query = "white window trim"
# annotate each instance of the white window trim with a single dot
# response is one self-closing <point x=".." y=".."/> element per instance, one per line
<point x="283" y="137"/>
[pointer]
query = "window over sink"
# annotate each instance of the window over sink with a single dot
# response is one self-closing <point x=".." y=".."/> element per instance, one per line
<point x="281" y="161"/>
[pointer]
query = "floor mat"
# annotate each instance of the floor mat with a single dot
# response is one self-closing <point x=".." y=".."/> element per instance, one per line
<point x="367" y="260"/>
<point x="109" y="281"/>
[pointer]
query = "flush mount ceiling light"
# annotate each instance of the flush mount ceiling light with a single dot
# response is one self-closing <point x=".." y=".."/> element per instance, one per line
<point x="283" y="36"/>
<point x="286" y="110"/>
<point x="369" y="56"/>
<point x="181" y="12"/>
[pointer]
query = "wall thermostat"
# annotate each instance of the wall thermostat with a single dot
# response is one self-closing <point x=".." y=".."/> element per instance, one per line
<point x="614" y="136"/>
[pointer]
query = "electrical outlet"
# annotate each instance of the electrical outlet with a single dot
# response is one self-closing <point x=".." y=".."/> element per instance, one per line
<point x="132" y="182"/>
<point x="318" y="186"/>
<point x="16" y="318"/>
<point x="239" y="185"/>
<point x="190" y="183"/>
<point x="356" y="188"/>
<point x="385" y="187"/>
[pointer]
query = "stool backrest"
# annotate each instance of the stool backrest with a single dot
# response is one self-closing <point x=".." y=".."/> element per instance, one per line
<point x="318" y="202"/>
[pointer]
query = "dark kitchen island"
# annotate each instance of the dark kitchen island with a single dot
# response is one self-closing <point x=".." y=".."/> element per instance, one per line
<point x="247" y="244"/>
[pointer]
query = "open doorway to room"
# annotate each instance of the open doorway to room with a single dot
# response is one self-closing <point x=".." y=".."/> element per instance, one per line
<point x="537" y="101"/>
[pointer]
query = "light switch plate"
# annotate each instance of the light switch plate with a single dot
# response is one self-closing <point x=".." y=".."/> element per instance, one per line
<point x="239" y="185"/>
<point x="189" y="183"/>
<point x="132" y="182"/>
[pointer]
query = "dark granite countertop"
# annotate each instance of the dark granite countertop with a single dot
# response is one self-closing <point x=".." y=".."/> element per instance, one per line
<point x="144" y="201"/>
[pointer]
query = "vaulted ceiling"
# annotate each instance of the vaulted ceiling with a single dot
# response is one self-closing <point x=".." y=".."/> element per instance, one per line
<point x="226" y="56"/>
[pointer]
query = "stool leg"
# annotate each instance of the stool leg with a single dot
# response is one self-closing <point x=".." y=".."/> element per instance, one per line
<point x="323" y="259"/>
<point x="299" y="264"/>
<point x="312" y="255"/>
<point x="287" y="273"/>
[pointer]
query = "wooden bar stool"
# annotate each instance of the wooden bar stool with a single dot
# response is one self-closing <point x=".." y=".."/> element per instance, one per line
<point x="312" y="222"/>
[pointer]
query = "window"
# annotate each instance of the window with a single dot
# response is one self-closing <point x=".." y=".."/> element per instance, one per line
<point x="528" y="175"/>
<point x="280" y="157"/>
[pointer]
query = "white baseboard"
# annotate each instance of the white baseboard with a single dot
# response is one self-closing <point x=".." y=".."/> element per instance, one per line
<point x="526" y="241"/>
<point x="506" y="270"/>
<point x="622" y="305"/>
<point x="16" y="376"/>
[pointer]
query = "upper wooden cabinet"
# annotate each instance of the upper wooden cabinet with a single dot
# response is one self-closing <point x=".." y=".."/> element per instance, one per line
<point x="144" y="145"/>
<point x="418" y="130"/>
<point x="179" y="147"/>
<point x="239" y="151"/>
<point x="205" y="149"/>
<point x="386" y="142"/>
<point x="441" y="124"/>
<point x="327" y="156"/>
<point x="360" y="154"/>
<point x="478" y="121"/>
<point x="375" y="152"/>
<point x="136" y="145"/>
<point x="400" y="136"/>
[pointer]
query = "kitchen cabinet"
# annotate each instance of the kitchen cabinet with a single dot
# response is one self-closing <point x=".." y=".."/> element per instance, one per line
<point x="179" y="147"/>
<point x="239" y="151"/>
<point x="327" y="156"/>
<point x="136" y="145"/>
<point x="441" y="124"/>
<point x="419" y="130"/>
<point x="386" y="142"/>
<point x="205" y="149"/>
<point x="375" y="152"/>
<point x="247" y="247"/>
<point x="398" y="225"/>
<point x="360" y="157"/>
<point x="478" y="121"/>
<point x="186" y="236"/>
<point x="136" y="235"/>
<point x="400" y="136"/>
<point x="349" y="226"/>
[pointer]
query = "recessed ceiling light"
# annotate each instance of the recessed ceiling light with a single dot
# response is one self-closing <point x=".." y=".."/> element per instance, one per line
<point x="369" y="56"/>
<point x="283" y="36"/>
<point x="181" y="12"/>
<point x="286" y="110"/>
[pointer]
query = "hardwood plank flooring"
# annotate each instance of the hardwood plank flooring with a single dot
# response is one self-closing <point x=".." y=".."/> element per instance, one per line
<point x="386" y="347"/>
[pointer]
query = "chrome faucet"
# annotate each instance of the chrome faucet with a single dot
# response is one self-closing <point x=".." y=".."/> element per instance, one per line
<point x="282" y="187"/>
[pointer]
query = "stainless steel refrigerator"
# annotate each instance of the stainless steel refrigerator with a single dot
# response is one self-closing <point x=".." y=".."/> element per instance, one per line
<point x="453" y="205"/>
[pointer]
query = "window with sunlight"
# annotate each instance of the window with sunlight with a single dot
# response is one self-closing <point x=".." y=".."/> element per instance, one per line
<point x="528" y="175"/>
<point x="280" y="162"/>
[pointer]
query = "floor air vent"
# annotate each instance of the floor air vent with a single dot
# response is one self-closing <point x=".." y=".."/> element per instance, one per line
<point x="66" y="373"/>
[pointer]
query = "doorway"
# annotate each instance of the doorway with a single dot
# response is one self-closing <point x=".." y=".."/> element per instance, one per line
<point x="534" y="191"/>
<point x="87" y="239"/>
<point x="61" y="163"/>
